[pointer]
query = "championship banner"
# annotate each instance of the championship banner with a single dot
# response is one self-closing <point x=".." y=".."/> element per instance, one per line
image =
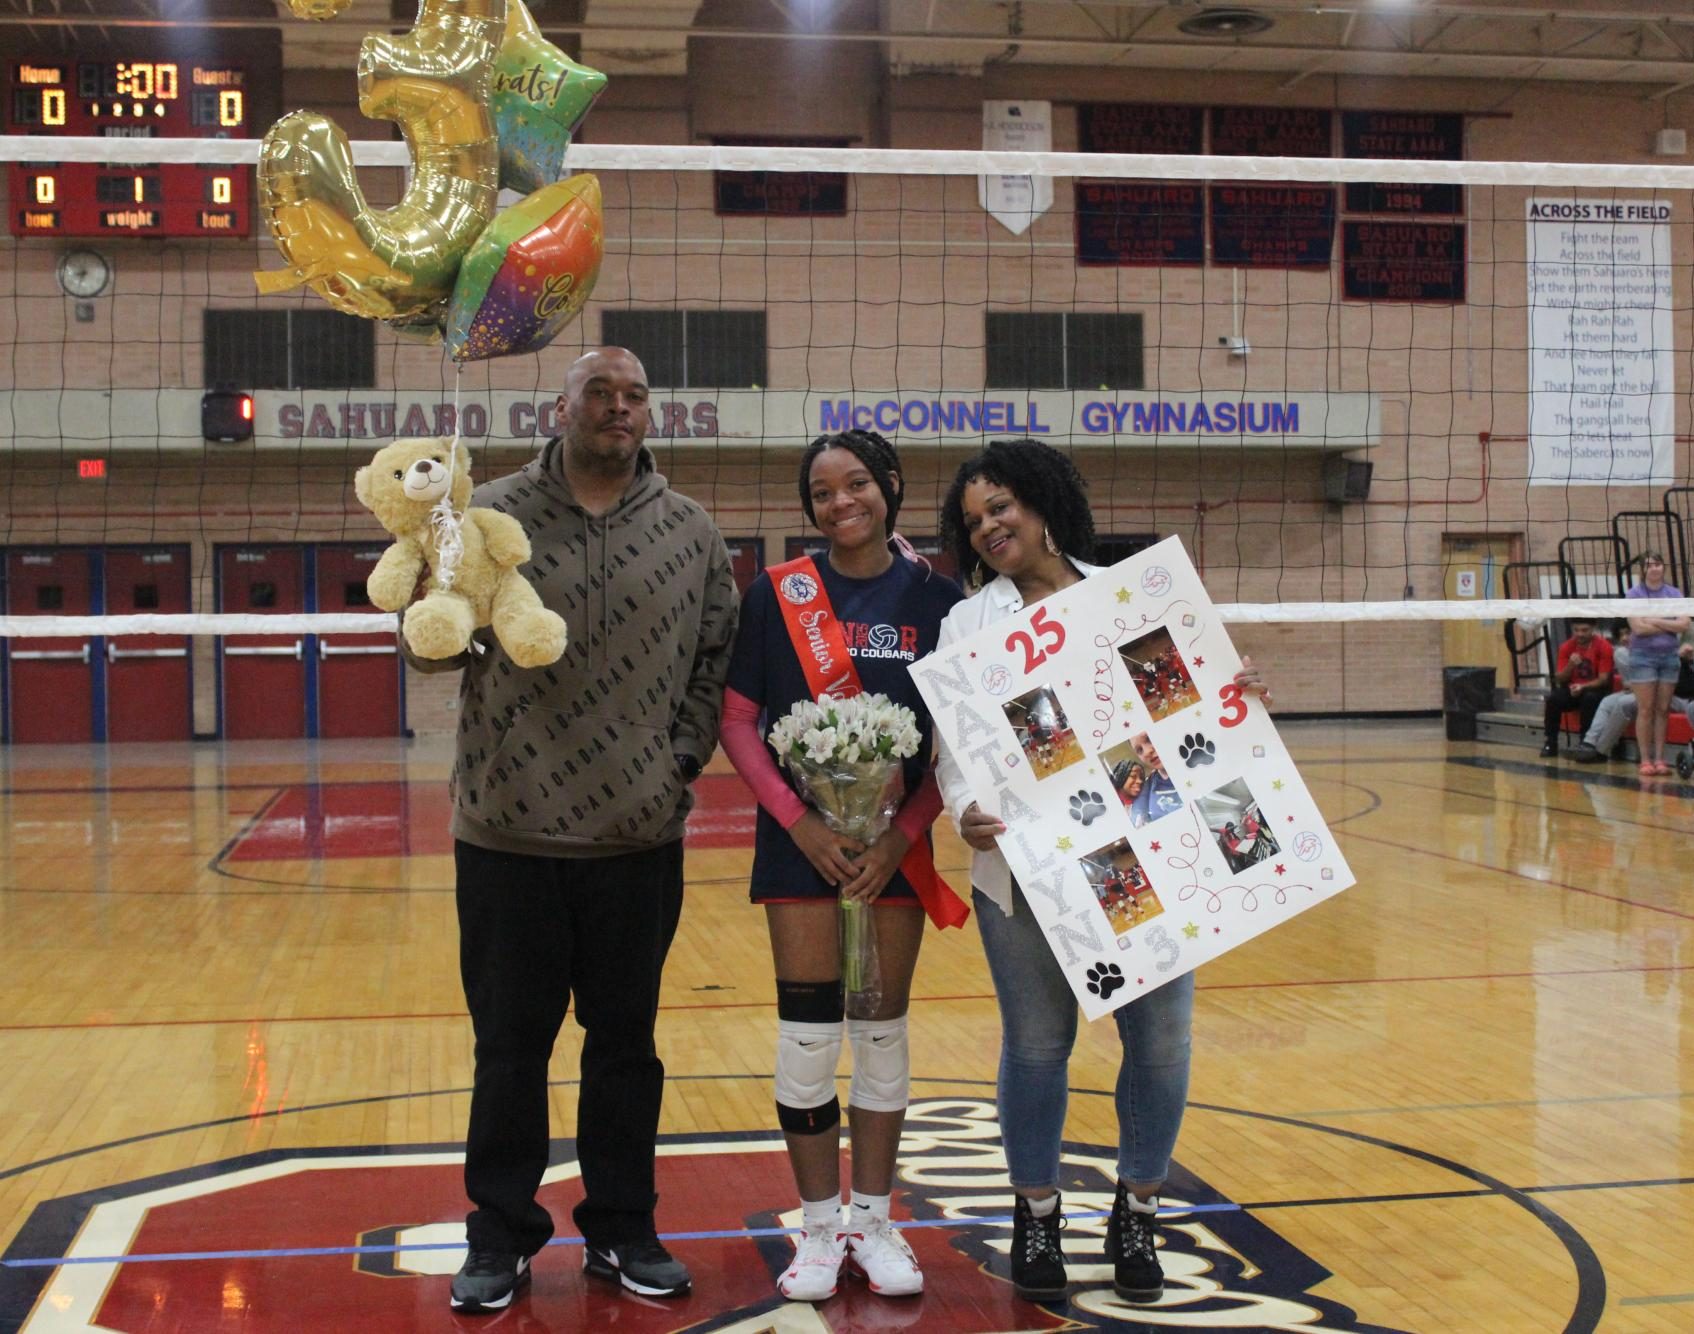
<point x="1016" y="127"/>
<point x="1153" y="816"/>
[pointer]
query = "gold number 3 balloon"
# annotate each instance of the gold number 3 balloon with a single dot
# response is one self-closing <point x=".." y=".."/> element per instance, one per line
<point x="397" y="263"/>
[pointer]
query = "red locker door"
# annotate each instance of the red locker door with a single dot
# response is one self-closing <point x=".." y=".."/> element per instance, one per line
<point x="746" y="559"/>
<point x="148" y="694"/>
<point x="358" y="675"/>
<point x="52" y="679"/>
<point x="264" y="676"/>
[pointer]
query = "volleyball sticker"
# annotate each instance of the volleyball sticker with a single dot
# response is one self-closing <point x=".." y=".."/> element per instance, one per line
<point x="997" y="680"/>
<point x="1155" y="580"/>
<point x="798" y="589"/>
<point x="1308" y="847"/>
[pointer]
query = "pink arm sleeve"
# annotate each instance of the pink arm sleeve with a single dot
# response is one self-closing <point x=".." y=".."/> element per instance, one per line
<point x="919" y="810"/>
<point x="738" y="734"/>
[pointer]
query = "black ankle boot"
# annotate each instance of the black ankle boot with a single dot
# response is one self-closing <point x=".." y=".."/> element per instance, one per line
<point x="1038" y="1265"/>
<point x="1130" y="1246"/>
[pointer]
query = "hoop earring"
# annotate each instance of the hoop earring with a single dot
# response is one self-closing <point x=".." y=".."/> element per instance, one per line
<point x="1047" y="537"/>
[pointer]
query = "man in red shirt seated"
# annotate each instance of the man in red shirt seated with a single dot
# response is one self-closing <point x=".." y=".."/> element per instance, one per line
<point x="1583" y="678"/>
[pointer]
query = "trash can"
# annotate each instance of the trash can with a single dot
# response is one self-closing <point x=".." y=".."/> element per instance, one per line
<point x="1465" y="692"/>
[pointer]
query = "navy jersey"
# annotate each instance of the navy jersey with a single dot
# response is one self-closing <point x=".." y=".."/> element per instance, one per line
<point x="889" y="622"/>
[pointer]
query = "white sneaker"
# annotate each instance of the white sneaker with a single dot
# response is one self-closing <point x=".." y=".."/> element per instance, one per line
<point x="887" y="1261"/>
<point x="816" y="1269"/>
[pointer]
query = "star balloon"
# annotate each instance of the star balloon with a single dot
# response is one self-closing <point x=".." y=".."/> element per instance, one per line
<point x="539" y="98"/>
<point x="529" y="273"/>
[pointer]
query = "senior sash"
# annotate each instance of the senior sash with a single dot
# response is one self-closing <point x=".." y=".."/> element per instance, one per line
<point x="821" y="645"/>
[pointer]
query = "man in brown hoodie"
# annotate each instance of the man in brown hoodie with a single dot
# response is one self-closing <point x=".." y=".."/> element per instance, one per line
<point x="569" y="796"/>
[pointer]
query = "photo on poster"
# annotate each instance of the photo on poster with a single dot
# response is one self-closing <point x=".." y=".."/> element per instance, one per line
<point x="1120" y="886"/>
<point x="1138" y="776"/>
<point x="1159" y="675"/>
<point x="1043" y="731"/>
<point x="1238" y="825"/>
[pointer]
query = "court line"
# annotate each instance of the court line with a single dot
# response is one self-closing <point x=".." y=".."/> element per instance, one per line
<point x="432" y="1016"/>
<point x="1518" y="875"/>
<point x="738" y="1234"/>
<point x="1668" y="1298"/>
<point x="1577" y="812"/>
<point x="1674" y="787"/>
<point x="720" y="1234"/>
<point x="1412" y="1109"/>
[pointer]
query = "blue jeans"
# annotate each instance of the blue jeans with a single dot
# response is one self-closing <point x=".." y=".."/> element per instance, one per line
<point x="1038" y="1029"/>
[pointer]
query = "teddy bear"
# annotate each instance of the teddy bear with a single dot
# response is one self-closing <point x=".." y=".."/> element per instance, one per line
<point x="401" y="486"/>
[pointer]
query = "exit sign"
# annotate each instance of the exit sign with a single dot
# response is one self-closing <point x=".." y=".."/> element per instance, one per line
<point x="91" y="469"/>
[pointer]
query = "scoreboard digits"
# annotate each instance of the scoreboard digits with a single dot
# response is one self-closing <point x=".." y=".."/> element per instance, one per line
<point x="130" y="99"/>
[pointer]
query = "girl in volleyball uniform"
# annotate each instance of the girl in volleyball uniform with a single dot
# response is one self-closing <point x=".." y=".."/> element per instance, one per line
<point x="889" y="606"/>
<point x="903" y="606"/>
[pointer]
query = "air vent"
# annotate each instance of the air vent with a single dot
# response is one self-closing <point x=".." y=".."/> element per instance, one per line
<point x="1225" y="23"/>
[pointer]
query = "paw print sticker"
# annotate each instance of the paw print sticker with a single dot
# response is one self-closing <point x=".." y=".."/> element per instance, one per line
<point x="1104" y="979"/>
<point x="1087" y="807"/>
<point x="1195" y="750"/>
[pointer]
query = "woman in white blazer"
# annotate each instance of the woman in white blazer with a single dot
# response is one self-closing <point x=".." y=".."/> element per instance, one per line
<point x="1017" y="519"/>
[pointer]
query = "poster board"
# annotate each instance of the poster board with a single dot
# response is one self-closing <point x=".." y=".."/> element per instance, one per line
<point x="1153" y="816"/>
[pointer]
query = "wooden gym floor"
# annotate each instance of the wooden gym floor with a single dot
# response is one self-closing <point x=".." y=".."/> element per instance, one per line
<point x="236" y="1063"/>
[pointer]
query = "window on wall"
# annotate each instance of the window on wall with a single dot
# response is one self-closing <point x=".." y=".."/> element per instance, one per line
<point x="288" y="349"/>
<point x="692" y="349"/>
<point x="1060" y="350"/>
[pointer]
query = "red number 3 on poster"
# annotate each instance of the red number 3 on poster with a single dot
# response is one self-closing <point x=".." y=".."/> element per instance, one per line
<point x="1052" y="636"/>
<point x="1234" y="707"/>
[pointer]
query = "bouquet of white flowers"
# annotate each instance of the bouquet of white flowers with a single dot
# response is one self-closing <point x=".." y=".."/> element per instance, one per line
<point x="845" y="757"/>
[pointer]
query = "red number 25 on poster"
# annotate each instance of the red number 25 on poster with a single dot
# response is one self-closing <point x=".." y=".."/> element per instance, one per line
<point x="1052" y="635"/>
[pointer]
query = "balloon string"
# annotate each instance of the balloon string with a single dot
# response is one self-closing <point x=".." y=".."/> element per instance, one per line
<point x="446" y="525"/>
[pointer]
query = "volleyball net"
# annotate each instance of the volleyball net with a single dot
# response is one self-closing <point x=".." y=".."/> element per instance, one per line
<point x="1358" y="389"/>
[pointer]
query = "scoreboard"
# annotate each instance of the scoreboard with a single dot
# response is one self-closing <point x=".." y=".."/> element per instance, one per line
<point x="129" y="99"/>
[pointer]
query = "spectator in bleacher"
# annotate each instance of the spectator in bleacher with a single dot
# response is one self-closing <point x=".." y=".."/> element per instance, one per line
<point x="1581" y="680"/>
<point x="1653" y="662"/>
<point x="1617" y="711"/>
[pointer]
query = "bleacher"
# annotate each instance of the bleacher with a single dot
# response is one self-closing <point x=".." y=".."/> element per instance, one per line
<point x="1588" y="565"/>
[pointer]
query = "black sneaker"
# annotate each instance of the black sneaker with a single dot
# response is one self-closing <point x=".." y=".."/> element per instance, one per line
<point x="1130" y="1246"/>
<point x="1549" y="749"/>
<point x="643" y="1267"/>
<point x="1038" y="1264"/>
<point x="488" y="1280"/>
<point x="1586" y="754"/>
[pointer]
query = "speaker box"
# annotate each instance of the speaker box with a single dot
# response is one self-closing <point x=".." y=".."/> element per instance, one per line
<point x="1345" y="479"/>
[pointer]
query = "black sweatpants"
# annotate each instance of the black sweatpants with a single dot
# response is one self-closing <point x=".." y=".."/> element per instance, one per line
<point x="534" y="932"/>
<point x="1562" y="697"/>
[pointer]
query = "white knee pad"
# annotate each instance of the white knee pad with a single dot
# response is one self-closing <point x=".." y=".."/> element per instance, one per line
<point x="882" y="1065"/>
<point x="806" y="1057"/>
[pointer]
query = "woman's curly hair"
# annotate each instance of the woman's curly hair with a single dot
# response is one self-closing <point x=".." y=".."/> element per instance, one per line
<point x="872" y="450"/>
<point x="1043" y="480"/>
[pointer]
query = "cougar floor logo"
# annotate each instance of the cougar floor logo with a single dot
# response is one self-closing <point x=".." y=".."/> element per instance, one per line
<point x="327" y="1239"/>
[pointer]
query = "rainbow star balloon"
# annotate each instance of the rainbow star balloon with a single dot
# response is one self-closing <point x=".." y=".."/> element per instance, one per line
<point x="529" y="273"/>
<point x="538" y="99"/>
